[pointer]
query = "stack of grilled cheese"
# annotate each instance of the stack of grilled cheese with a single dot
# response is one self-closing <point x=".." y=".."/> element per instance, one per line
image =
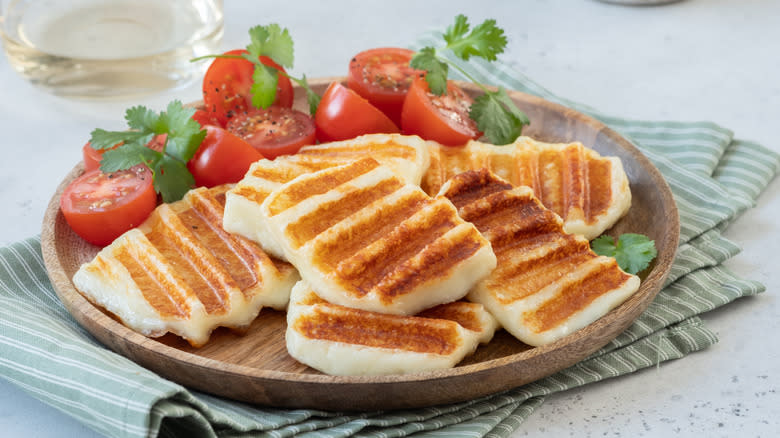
<point x="548" y="283"/>
<point x="407" y="257"/>
<point x="588" y="191"/>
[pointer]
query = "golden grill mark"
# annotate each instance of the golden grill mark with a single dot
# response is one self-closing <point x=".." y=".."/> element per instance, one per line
<point x="372" y="228"/>
<point x="357" y="151"/>
<point x="574" y="175"/>
<point x="599" y="188"/>
<point x="239" y="257"/>
<point x="256" y="195"/>
<point x="301" y="190"/>
<point x="576" y="296"/>
<point x="182" y="249"/>
<point x="473" y="185"/>
<point x="159" y="291"/>
<point x="532" y="275"/>
<point x="435" y="261"/>
<point x="281" y="173"/>
<point x="552" y="187"/>
<point x="359" y="327"/>
<point x="328" y="214"/>
<point x="464" y="313"/>
<point x="365" y="269"/>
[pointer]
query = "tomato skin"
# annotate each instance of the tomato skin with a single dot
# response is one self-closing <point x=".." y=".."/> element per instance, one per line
<point x="100" y="207"/>
<point x="222" y="158"/>
<point x="383" y="76"/>
<point x="444" y="119"/>
<point x="227" y="84"/>
<point x="205" y="118"/>
<point x="92" y="157"/>
<point x="274" y="131"/>
<point x="343" y="114"/>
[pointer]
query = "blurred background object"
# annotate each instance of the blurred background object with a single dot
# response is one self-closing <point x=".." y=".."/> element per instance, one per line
<point x="109" y="48"/>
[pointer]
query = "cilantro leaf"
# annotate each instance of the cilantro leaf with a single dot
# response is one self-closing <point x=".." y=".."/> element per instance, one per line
<point x="127" y="156"/>
<point x="264" y="83"/>
<point x="172" y="179"/>
<point x="437" y="70"/>
<point x="457" y="30"/>
<point x="183" y="136"/>
<point x="633" y="252"/>
<point x="486" y="40"/>
<point x="271" y="41"/>
<point x="102" y="139"/>
<point x="184" y="133"/>
<point x="498" y="117"/>
<point x="140" y="118"/>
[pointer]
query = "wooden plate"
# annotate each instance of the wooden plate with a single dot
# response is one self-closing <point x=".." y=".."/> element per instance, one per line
<point x="256" y="368"/>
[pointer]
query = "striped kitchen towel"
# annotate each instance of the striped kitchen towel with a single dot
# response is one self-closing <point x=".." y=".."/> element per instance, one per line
<point x="713" y="177"/>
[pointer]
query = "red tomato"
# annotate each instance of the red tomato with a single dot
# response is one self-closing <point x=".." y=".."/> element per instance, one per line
<point x="99" y="207"/>
<point x="343" y="114"/>
<point x="222" y="158"/>
<point x="93" y="156"/>
<point x="227" y="84"/>
<point x="274" y="131"/>
<point x="204" y="118"/>
<point x="383" y="77"/>
<point x="444" y="118"/>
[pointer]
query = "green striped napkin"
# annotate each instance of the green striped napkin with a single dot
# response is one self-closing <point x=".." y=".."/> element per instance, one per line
<point x="713" y="176"/>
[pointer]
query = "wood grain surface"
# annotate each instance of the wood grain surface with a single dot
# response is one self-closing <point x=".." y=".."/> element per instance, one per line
<point x="255" y="367"/>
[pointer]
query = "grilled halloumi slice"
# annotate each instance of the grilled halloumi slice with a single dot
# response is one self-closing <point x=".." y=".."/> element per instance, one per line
<point x="341" y="340"/>
<point x="365" y="239"/>
<point x="180" y="272"/>
<point x="588" y="191"/>
<point x="406" y="156"/>
<point x="547" y="283"/>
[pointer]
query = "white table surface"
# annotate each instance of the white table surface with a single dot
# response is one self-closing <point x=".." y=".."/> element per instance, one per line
<point x="715" y="60"/>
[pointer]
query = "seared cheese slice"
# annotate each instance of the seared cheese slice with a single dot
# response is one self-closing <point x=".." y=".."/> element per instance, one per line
<point x="406" y="156"/>
<point x="547" y="283"/>
<point x="363" y="238"/>
<point x="180" y="272"/>
<point x="588" y="191"/>
<point x="340" y="340"/>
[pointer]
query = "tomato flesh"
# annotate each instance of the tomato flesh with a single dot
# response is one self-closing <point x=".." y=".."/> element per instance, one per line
<point x="383" y="76"/>
<point x="222" y="158"/>
<point x="99" y="207"/>
<point x="344" y="114"/>
<point x="227" y="87"/>
<point x="274" y="131"/>
<point x="444" y="119"/>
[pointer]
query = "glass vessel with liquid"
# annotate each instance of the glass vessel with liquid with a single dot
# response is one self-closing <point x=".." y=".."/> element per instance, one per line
<point x="109" y="48"/>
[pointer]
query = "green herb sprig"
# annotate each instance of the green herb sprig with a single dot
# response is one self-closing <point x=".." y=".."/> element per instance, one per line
<point x="184" y="135"/>
<point x="633" y="252"/>
<point x="276" y="43"/>
<point x="494" y="112"/>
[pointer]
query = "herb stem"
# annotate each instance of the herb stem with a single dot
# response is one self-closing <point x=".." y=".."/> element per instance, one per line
<point x="462" y="71"/>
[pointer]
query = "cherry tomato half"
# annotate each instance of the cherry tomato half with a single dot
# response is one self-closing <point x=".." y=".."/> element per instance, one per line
<point x="383" y="76"/>
<point x="274" y="131"/>
<point x="444" y="118"/>
<point x="93" y="156"/>
<point x="99" y="207"/>
<point x="343" y="114"/>
<point x="205" y="118"/>
<point x="227" y="84"/>
<point x="222" y="158"/>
